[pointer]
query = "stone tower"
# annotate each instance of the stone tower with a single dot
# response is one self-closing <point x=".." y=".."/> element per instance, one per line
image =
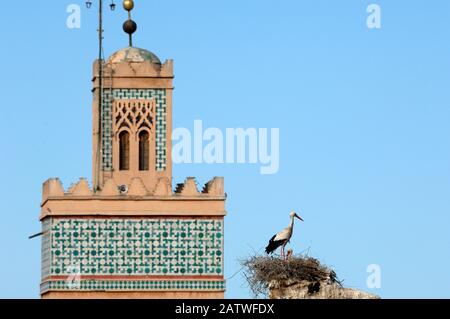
<point x="131" y="235"/>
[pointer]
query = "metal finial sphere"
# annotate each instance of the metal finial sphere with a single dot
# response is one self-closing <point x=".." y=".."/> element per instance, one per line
<point x="128" y="5"/>
<point x="130" y="27"/>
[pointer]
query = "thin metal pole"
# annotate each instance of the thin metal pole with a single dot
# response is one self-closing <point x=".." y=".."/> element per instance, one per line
<point x="130" y="35"/>
<point x="100" y="93"/>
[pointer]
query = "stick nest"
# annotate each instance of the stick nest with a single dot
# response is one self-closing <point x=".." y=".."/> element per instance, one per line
<point x="262" y="270"/>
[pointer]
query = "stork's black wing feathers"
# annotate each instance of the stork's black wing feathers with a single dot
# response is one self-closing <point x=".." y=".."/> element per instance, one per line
<point x="274" y="244"/>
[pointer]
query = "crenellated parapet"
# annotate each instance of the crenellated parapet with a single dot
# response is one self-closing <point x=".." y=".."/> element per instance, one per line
<point x="142" y="69"/>
<point x="115" y="199"/>
<point x="125" y="68"/>
<point x="53" y="187"/>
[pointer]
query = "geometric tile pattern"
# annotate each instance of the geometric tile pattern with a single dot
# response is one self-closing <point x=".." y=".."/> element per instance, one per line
<point x="138" y="285"/>
<point x="135" y="247"/>
<point x="161" y="122"/>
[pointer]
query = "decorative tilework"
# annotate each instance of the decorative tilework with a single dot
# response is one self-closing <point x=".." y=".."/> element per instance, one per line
<point x="136" y="247"/>
<point x="161" y="122"/>
<point x="137" y="285"/>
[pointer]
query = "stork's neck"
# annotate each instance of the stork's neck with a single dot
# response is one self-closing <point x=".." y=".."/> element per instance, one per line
<point x="291" y="225"/>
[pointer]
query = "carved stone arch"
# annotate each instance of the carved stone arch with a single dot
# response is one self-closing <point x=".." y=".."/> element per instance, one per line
<point x="123" y="129"/>
<point x="134" y="114"/>
<point x="124" y="150"/>
<point x="143" y="129"/>
<point x="144" y="141"/>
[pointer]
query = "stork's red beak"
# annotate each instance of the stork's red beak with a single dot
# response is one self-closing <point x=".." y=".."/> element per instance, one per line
<point x="299" y="217"/>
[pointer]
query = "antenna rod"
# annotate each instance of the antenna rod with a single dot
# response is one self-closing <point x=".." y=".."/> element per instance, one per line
<point x="130" y="35"/>
<point x="36" y="235"/>
<point x="100" y="93"/>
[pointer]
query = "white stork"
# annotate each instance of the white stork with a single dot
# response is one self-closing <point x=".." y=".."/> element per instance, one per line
<point x="283" y="237"/>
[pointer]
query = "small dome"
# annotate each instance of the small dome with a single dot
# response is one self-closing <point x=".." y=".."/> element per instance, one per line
<point x="132" y="54"/>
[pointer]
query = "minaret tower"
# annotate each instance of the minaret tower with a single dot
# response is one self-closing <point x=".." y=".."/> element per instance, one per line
<point x="131" y="235"/>
<point x="132" y="137"/>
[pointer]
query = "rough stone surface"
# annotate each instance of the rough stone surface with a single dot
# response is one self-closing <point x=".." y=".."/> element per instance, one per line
<point x="314" y="290"/>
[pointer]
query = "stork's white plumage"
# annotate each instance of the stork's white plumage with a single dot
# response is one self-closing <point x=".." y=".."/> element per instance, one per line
<point x="283" y="237"/>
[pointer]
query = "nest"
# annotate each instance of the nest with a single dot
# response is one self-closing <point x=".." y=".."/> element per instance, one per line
<point x="261" y="271"/>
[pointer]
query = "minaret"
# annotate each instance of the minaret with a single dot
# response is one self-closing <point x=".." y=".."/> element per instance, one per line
<point x="135" y="118"/>
<point x="131" y="235"/>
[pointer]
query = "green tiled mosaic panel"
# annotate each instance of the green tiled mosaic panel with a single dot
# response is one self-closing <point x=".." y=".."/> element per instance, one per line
<point x="133" y="285"/>
<point x="135" y="247"/>
<point x="161" y="122"/>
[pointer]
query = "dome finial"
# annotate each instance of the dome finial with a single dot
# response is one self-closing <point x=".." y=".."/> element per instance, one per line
<point x="129" y="26"/>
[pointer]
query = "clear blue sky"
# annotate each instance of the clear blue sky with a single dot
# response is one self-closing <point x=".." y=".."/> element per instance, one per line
<point x="363" y="117"/>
